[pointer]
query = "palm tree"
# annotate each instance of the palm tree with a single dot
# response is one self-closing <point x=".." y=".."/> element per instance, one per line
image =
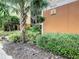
<point x="4" y="13"/>
<point x="37" y="7"/>
<point x="21" y="7"/>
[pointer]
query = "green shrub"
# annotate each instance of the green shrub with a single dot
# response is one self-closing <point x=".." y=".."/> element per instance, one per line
<point x="11" y="23"/>
<point x="40" y="19"/>
<point x="32" y="33"/>
<point x="7" y="33"/>
<point x="1" y="33"/>
<point x="66" y="45"/>
<point x="15" y="37"/>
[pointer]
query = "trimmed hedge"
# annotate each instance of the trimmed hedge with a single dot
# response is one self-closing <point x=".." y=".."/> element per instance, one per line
<point x="66" y="45"/>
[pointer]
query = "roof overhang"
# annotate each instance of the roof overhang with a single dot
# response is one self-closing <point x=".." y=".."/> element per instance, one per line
<point x="58" y="3"/>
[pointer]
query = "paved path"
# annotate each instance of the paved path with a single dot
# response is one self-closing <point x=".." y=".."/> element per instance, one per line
<point x="24" y="51"/>
<point x="3" y="54"/>
<point x="27" y="51"/>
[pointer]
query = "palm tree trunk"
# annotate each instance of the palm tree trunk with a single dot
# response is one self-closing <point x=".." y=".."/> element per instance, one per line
<point x="22" y="27"/>
<point x="22" y="22"/>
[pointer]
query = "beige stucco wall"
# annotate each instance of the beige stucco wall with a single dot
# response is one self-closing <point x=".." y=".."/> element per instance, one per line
<point x="66" y="19"/>
<point x="28" y="20"/>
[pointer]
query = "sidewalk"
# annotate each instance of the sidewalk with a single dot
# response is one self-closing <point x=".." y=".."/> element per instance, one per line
<point x="3" y="55"/>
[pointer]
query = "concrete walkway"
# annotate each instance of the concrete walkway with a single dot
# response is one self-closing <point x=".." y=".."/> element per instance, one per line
<point x="3" y="54"/>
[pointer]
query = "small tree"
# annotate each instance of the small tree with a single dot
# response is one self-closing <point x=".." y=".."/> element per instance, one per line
<point x="21" y="7"/>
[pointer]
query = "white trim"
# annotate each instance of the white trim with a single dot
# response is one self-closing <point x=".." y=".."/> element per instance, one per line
<point x="53" y="11"/>
<point x="58" y="3"/>
<point x="42" y="28"/>
<point x="42" y="24"/>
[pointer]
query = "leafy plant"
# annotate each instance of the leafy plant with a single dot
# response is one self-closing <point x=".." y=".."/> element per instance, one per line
<point x="40" y="19"/>
<point x="66" y="45"/>
<point x="11" y="23"/>
<point x="33" y="32"/>
<point x="14" y="37"/>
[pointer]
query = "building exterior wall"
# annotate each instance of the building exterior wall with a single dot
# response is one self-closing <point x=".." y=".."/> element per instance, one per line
<point x="66" y="19"/>
<point x="28" y="20"/>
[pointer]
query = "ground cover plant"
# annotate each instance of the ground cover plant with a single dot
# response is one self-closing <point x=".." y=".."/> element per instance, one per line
<point x="7" y="33"/>
<point x="66" y="45"/>
<point x="33" y="32"/>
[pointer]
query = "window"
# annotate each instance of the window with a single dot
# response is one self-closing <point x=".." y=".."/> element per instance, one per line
<point x="53" y="11"/>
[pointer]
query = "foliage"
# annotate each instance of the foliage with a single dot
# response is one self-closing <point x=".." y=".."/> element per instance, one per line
<point x="33" y="32"/>
<point x="4" y="13"/>
<point x="17" y="6"/>
<point x="15" y="19"/>
<point x="66" y="45"/>
<point x="39" y="3"/>
<point x="14" y="37"/>
<point x="37" y="7"/>
<point x="6" y="33"/>
<point x="40" y="19"/>
<point x="1" y="33"/>
<point x="11" y="23"/>
<point x="22" y="7"/>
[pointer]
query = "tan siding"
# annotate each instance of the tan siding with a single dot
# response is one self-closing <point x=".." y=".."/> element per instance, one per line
<point x="74" y="17"/>
<point x="66" y="19"/>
